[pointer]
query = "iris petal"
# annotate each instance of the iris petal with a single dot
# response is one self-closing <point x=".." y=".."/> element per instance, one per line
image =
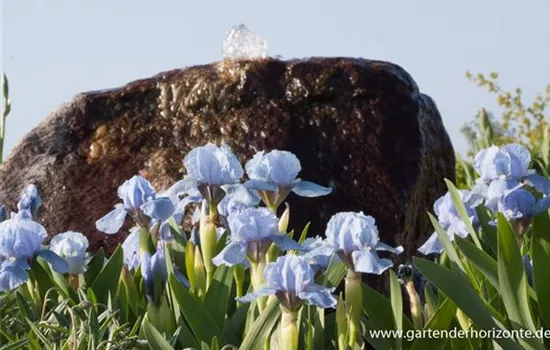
<point x="310" y="189"/>
<point x="58" y="263"/>
<point x="541" y="184"/>
<point x="158" y="209"/>
<point x="318" y="296"/>
<point x="432" y="245"/>
<point x="369" y="262"/>
<point x="11" y="276"/>
<point x="234" y="253"/>
<point x="262" y="292"/>
<point x="113" y="221"/>
<point x="286" y="243"/>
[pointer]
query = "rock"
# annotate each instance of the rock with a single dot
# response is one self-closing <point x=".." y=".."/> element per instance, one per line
<point x="357" y="125"/>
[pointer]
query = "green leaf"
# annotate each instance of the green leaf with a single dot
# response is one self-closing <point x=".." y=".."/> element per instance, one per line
<point x="155" y="340"/>
<point x="397" y="305"/>
<point x="373" y="336"/>
<point x="432" y="301"/>
<point x="217" y="297"/>
<point x="379" y="309"/>
<point x="262" y="327"/>
<point x="540" y="252"/>
<point x="94" y="267"/>
<point x="545" y="148"/>
<point x="457" y="201"/>
<point x="185" y="336"/>
<point x="23" y="307"/>
<point x="215" y="345"/>
<point x="442" y="319"/>
<point x="199" y="319"/>
<point x="446" y="242"/>
<point x="488" y="232"/>
<point x="43" y="338"/>
<point x="15" y="345"/>
<point x="303" y="235"/>
<point x="512" y="278"/>
<point x="335" y="273"/>
<point x="481" y="260"/>
<point x="238" y="319"/>
<point x="107" y="280"/>
<point x="40" y="272"/>
<point x="459" y="290"/>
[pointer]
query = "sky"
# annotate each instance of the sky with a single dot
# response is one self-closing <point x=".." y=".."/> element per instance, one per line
<point x="52" y="50"/>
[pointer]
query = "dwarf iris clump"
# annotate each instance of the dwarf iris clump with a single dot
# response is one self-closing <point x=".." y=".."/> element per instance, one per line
<point x="21" y="241"/>
<point x="241" y="276"/>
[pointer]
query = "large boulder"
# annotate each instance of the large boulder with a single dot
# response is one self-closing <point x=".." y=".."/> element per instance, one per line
<point x="359" y="126"/>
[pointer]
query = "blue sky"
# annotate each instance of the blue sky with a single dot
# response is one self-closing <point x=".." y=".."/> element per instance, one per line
<point x="55" y="49"/>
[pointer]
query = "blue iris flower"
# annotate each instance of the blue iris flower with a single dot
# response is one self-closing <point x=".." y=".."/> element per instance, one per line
<point x="520" y="204"/>
<point x="253" y="230"/>
<point x="212" y="165"/>
<point x="30" y="200"/>
<point x="72" y="247"/>
<point x="292" y="280"/>
<point x="504" y="169"/>
<point x="212" y="172"/>
<point x="154" y="273"/>
<point x="229" y="206"/>
<point x="354" y="238"/>
<point x="21" y="241"/>
<point x="274" y="175"/>
<point x="320" y="259"/>
<point x="450" y="220"/>
<point x="141" y="202"/>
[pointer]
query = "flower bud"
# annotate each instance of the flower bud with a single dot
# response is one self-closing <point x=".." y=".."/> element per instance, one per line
<point x="209" y="237"/>
<point x="341" y="323"/>
<point x="200" y="275"/>
<point x="190" y="264"/>
<point x="283" y="221"/>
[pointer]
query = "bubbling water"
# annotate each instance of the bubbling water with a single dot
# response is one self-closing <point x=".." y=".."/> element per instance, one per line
<point x="241" y="43"/>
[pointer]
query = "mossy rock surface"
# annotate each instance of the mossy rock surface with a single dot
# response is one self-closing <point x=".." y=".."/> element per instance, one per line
<point x="359" y="126"/>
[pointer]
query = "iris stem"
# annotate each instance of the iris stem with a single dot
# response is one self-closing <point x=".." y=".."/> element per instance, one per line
<point x="238" y="274"/>
<point x="289" y="329"/>
<point x="354" y="302"/>
<point x="257" y="279"/>
<point x="74" y="282"/>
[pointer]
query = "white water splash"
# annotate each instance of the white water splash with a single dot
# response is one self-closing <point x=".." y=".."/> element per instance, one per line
<point x="241" y="43"/>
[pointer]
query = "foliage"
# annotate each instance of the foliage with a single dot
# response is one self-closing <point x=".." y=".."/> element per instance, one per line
<point x="481" y="282"/>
